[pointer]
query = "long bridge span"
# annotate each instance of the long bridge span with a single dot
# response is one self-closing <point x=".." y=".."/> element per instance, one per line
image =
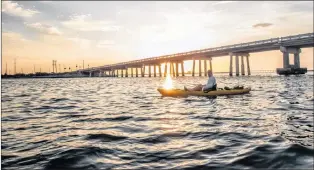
<point x="287" y="45"/>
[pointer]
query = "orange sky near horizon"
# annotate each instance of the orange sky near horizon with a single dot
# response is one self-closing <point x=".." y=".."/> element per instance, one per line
<point x="269" y="60"/>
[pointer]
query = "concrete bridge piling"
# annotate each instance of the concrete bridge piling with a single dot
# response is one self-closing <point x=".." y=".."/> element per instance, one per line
<point x="287" y="68"/>
<point x="182" y="68"/>
<point x="242" y="55"/>
<point x="193" y="68"/>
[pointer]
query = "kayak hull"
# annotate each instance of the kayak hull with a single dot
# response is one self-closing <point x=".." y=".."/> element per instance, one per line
<point x="180" y="92"/>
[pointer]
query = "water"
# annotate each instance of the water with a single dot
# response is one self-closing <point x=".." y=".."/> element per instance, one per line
<point x="124" y="123"/>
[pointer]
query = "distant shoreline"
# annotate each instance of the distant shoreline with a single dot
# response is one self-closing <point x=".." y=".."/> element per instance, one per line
<point x="84" y="76"/>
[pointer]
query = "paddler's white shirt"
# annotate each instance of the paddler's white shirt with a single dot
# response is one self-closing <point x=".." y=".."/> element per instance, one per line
<point x="210" y="83"/>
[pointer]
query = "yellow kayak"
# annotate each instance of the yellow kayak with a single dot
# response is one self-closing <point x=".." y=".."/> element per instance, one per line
<point x="180" y="92"/>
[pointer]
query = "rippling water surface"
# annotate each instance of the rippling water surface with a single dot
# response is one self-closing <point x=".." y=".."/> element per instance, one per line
<point x="124" y="123"/>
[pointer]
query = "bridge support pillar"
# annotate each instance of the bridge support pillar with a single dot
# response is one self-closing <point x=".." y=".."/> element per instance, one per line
<point x="286" y="61"/>
<point x="142" y="74"/>
<point x="165" y="72"/>
<point x="126" y="72"/>
<point x="159" y="69"/>
<point x="136" y="72"/>
<point x="210" y="64"/>
<point x="182" y="68"/>
<point x="143" y="70"/>
<point x="121" y="72"/>
<point x="90" y="74"/>
<point x="193" y="69"/>
<point x="200" y="68"/>
<point x="242" y="66"/>
<point x="131" y="71"/>
<point x="172" y="69"/>
<point x="230" y="67"/>
<point x="177" y="69"/>
<point x="100" y="73"/>
<point x="291" y="50"/>
<point x="248" y="65"/>
<point x="154" y="70"/>
<point x="291" y="69"/>
<point x="205" y="67"/>
<point x="149" y="71"/>
<point x="297" y="58"/>
<point x="237" y="65"/>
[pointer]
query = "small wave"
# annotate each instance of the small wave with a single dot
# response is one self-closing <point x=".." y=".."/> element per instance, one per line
<point x="114" y="119"/>
<point x="154" y="140"/>
<point x="5" y="157"/>
<point x="73" y="116"/>
<point x="105" y="137"/>
<point x="78" y="158"/>
<point x="34" y="145"/>
<point x="55" y="107"/>
<point x="58" y="99"/>
<point x="139" y="119"/>
<point x="277" y="139"/>
<point x="120" y="118"/>
<point x="30" y="162"/>
<point x="267" y="156"/>
<point x="23" y="95"/>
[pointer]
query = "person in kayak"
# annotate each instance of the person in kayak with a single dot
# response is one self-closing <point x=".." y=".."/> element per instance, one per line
<point x="210" y="86"/>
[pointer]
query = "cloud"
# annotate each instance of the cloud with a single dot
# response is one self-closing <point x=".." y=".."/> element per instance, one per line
<point x="262" y="25"/>
<point x="83" y="43"/>
<point x="46" y="2"/>
<point x="13" y="8"/>
<point x="85" y="23"/>
<point x="44" y="28"/>
<point x="105" y="44"/>
<point x="223" y="2"/>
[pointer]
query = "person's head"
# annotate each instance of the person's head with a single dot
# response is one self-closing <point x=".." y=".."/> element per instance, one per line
<point x="209" y="73"/>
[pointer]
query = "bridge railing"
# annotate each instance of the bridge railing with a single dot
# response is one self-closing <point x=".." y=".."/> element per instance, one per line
<point x="294" y="37"/>
<point x="228" y="47"/>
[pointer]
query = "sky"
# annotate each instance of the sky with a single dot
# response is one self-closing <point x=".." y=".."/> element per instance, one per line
<point x="105" y="32"/>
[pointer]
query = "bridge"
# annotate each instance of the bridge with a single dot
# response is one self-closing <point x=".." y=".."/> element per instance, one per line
<point x="287" y="45"/>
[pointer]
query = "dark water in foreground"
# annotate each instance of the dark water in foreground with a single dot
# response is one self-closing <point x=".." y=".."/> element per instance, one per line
<point x="124" y="123"/>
